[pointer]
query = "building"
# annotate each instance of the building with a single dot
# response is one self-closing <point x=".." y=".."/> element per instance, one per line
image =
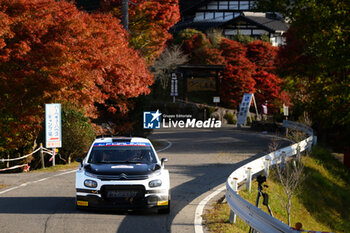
<point x="233" y="17"/>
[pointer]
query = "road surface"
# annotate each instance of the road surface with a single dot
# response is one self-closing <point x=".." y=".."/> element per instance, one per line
<point x="199" y="160"/>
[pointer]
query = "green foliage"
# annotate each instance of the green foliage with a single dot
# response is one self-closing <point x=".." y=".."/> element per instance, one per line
<point x="248" y="39"/>
<point x="215" y="36"/>
<point x="230" y="118"/>
<point x="321" y="204"/>
<point x="77" y="133"/>
<point x="317" y="58"/>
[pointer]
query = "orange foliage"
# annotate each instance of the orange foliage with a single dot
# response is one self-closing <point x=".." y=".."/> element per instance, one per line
<point x="52" y="52"/>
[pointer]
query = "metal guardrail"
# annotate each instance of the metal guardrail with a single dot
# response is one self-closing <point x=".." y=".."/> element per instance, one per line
<point x="252" y="215"/>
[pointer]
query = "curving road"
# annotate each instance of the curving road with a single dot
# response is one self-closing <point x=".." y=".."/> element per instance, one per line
<point x="199" y="160"/>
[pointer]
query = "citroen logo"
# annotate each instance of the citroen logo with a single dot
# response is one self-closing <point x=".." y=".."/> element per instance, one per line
<point x="123" y="176"/>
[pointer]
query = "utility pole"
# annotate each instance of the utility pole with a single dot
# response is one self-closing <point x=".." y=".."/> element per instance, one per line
<point x="125" y="14"/>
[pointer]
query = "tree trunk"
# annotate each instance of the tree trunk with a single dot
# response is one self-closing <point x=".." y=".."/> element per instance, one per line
<point x="288" y="209"/>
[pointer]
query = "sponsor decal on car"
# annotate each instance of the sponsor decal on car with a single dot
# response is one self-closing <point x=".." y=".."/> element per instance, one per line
<point x="121" y="144"/>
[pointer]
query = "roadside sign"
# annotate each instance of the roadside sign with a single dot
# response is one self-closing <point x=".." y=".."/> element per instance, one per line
<point x="285" y="110"/>
<point x="216" y="99"/>
<point x="174" y="85"/>
<point x="244" y="108"/>
<point x="53" y="125"/>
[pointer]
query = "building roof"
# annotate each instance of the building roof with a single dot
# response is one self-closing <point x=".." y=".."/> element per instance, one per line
<point x="268" y="21"/>
<point x="190" y="6"/>
<point x="261" y="20"/>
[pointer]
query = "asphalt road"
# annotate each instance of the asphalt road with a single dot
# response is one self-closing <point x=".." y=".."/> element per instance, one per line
<point x="199" y="160"/>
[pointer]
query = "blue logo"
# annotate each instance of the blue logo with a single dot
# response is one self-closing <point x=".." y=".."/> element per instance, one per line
<point x="151" y="120"/>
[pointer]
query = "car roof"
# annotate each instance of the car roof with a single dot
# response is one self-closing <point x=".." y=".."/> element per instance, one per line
<point x="121" y="139"/>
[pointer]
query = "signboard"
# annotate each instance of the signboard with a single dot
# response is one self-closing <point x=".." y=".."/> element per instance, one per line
<point x="201" y="84"/>
<point x="174" y="85"/>
<point x="285" y="110"/>
<point x="244" y="108"/>
<point x="216" y="99"/>
<point x="53" y="125"/>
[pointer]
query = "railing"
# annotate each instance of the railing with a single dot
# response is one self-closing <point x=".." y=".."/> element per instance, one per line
<point x="252" y="215"/>
<point x="26" y="166"/>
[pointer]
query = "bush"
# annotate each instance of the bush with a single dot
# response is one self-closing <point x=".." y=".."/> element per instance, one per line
<point x="77" y="134"/>
<point x="230" y="118"/>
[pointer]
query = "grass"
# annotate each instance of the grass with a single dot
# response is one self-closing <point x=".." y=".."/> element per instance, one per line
<point x="321" y="204"/>
<point x="58" y="167"/>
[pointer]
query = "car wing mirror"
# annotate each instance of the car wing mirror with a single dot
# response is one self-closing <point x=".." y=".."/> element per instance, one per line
<point x="163" y="160"/>
<point x="80" y="160"/>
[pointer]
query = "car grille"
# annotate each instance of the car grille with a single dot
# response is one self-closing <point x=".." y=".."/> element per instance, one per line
<point x="122" y="177"/>
<point x="123" y="194"/>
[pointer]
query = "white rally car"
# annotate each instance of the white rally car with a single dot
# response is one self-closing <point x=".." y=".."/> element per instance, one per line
<point x="122" y="173"/>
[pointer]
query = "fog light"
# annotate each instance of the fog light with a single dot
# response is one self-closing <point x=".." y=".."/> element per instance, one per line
<point x="155" y="183"/>
<point x="90" y="183"/>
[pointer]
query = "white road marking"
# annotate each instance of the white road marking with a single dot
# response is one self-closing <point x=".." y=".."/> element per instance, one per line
<point x="198" y="220"/>
<point x="35" y="181"/>
<point x="167" y="147"/>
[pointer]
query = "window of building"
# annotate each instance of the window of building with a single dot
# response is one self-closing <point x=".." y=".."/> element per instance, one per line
<point x="213" y="6"/>
<point x="209" y="15"/>
<point x="228" y="15"/>
<point x="233" y="5"/>
<point x="219" y="16"/>
<point x="199" y="16"/>
<point x="244" y="5"/>
<point x="259" y="32"/>
<point x="223" y="5"/>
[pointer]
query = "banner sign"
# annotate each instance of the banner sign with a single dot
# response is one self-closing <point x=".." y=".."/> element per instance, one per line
<point x="53" y="125"/>
<point x="174" y="85"/>
<point x="244" y="108"/>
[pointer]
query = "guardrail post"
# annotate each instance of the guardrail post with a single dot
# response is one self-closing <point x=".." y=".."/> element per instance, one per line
<point x="233" y="216"/>
<point x="8" y="162"/>
<point x="314" y="140"/>
<point x="298" y="153"/>
<point x="267" y="168"/>
<point x="249" y="179"/>
<point x="283" y="160"/>
<point x="42" y="156"/>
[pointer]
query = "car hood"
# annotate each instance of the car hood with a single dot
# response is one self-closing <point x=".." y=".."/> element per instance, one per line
<point x="117" y="169"/>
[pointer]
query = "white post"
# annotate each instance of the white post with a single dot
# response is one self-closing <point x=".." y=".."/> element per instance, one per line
<point x="267" y="168"/>
<point x="249" y="179"/>
<point x="233" y="216"/>
<point x="256" y="109"/>
<point x="53" y="156"/>
<point x="298" y="153"/>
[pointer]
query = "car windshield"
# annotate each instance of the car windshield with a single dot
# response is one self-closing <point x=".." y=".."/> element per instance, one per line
<point x="122" y="153"/>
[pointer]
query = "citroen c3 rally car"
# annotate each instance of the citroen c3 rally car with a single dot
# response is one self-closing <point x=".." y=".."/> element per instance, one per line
<point x="122" y="173"/>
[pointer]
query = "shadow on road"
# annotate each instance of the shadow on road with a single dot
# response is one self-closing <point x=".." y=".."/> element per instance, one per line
<point x="199" y="178"/>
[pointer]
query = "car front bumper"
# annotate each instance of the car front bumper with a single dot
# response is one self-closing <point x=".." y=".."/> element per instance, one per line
<point x="90" y="199"/>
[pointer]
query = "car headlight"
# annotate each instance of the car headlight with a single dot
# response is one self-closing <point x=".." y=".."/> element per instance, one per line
<point x="90" y="174"/>
<point x="90" y="183"/>
<point x="155" y="183"/>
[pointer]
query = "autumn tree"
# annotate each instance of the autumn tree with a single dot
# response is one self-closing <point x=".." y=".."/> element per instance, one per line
<point x="166" y="64"/>
<point x="316" y="60"/>
<point x="250" y="67"/>
<point x="238" y="76"/>
<point x="52" y="52"/>
<point x="199" y="48"/>
<point x="268" y="83"/>
<point x="149" y="22"/>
